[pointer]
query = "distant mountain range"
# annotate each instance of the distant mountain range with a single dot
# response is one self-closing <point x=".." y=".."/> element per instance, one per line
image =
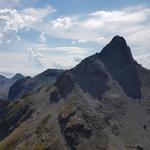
<point x="5" y="83"/>
<point x="29" y="85"/>
<point x="103" y="103"/>
<point x="6" y="74"/>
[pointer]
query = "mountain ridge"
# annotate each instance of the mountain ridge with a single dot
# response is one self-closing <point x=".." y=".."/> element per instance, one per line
<point x="30" y="85"/>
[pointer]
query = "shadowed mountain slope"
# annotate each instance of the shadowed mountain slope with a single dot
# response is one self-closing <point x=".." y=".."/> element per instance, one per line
<point x="5" y="83"/>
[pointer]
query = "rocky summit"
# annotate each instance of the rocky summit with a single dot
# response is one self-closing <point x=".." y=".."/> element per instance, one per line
<point x="103" y="103"/>
<point x="118" y="59"/>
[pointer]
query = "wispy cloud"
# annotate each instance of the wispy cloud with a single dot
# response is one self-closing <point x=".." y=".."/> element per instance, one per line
<point x="35" y="57"/>
<point x="69" y="50"/>
<point x="42" y="37"/>
<point x="44" y="56"/>
<point x="61" y="23"/>
<point x="39" y="13"/>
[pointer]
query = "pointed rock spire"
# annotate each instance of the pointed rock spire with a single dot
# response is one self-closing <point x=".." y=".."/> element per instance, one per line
<point x="119" y="61"/>
<point x="117" y="50"/>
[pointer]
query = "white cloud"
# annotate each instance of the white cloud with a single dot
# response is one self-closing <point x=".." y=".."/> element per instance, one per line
<point x="60" y="61"/>
<point x="12" y="20"/>
<point x="42" y="37"/>
<point x="100" y="26"/>
<point x="72" y="50"/>
<point x="56" y="57"/>
<point x="62" y="23"/>
<point x="42" y="48"/>
<point x="18" y="38"/>
<point x="101" y="40"/>
<point x="35" y="57"/>
<point x="39" y="13"/>
<point x="82" y="41"/>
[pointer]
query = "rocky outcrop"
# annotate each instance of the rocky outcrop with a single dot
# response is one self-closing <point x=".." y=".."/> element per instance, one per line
<point x="73" y="129"/>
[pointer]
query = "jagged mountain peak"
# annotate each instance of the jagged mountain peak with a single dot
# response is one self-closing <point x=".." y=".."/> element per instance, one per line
<point x="117" y="51"/>
<point x="119" y="40"/>
<point x="116" y="60"/>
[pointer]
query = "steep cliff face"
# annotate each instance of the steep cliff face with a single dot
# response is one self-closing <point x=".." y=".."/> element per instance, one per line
<point x="118" y="59"/>
<point x="101" y="104"/>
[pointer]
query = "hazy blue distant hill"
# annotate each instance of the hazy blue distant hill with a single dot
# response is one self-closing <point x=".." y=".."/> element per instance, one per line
<point x="6" y="82"/>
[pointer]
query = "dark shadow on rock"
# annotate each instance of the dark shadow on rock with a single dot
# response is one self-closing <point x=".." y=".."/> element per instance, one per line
<point x="118" y="59"/>
<point x="91" y="76"/>
<point x="16" y="88"/>
<point x="65" y="84"/>
<point x="55" y="97"/>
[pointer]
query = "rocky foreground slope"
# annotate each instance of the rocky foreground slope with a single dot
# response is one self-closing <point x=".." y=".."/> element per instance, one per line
<point x="101" y="104"/>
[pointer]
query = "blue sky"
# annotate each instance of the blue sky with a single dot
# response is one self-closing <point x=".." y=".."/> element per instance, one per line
<point x="40" y="34"/>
